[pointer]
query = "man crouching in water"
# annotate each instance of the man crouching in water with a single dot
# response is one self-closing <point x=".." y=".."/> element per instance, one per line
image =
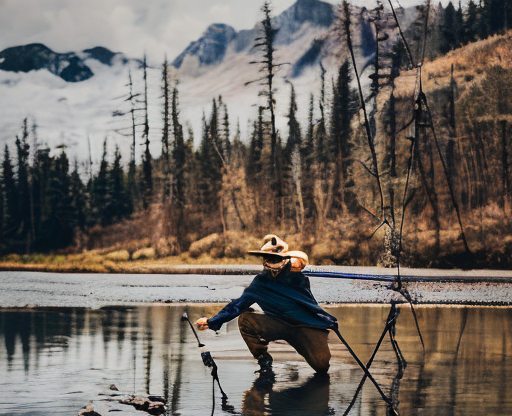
<point x="291" y="313"/>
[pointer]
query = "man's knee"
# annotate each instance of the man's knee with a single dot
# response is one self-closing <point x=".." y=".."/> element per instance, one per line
<point x="313" y="346"/>
<point x="321" y="367"/>
<point x="319" y="360"/>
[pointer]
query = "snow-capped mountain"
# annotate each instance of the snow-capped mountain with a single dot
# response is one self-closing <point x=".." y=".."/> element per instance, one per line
<point x="219" y="63"/>
<point x="302" y="21"/>
<point x="74" y="96"/>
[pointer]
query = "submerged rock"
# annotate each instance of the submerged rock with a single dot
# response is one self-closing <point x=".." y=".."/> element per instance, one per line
<point x="154" y="405"/>
<point x="88" y="411"/>
<point x="128" y="404"/>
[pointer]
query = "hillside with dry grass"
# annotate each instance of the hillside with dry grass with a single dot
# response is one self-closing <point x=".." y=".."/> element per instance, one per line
<point x="468" y="92"/>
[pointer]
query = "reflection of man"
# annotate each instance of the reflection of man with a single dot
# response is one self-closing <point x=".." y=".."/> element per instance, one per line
<point x="291" y="312"/>
<point x="312" y="398"/>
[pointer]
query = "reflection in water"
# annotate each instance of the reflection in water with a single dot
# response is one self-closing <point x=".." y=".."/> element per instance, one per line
<point x="389" y="328"/>
<point x="175" y="399"/>
<point x="309" y="399"/>
<point x="54" y="361"/>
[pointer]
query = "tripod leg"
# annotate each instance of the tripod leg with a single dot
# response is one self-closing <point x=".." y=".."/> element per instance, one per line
<point x="367" y="373"/>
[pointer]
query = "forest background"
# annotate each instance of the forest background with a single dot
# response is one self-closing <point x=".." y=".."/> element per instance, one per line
<point x="422" y="169"/>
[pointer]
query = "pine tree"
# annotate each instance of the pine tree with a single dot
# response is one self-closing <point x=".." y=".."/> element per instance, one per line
<point x="484" y="29"/>
<point x="292" y="164"/>
<point x="58" y="228"/>
<point x="166" y="130"/>
<point x="166" y="93"/>
<point x="179" y="184"/>
<point x="323" y="167"/>
<point x="294" y="141"/>
<point x="322" y="151"/>
<point x="100" y="191"/>
<point x="2" y="215"/>
<point x="192" y="174"/>
<point x="11" y="215"/>
<point x="23" y="152"/>
<point x="254" y="164"/>
<point x="449" y="29"/>
<point x="2" y="205"/>
<point x="41" y="170"/>
<point x="471" y="23"/>
<point x="340" y="131"/>
<point x="119" y="206"/>
<point x="497" y="13"/>
<point x="308" y="160"/>
<point x="416" y="32"/>
<point x="238" y="150"/>
<point x="211" y="176"/>
<point x="225" y="143"/>
<point x="308" y="145"/>
<point x="459" y="26"/>
<point x="78" y="199"/>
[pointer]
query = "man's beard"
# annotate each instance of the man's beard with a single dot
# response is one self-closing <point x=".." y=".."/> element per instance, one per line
<point x="275" y="268"/>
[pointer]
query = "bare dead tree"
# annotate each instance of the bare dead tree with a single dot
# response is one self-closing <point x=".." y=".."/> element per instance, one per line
<point x="374" y="169"/>
<point x="147" y="168"/>
<point x="265" y="44"/>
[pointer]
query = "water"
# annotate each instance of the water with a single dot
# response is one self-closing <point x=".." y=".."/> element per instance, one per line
<point x="55" y="361"/>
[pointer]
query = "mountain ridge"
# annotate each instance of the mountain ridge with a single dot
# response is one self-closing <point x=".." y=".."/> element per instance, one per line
<point x="218" y="63"/>
<point x="70" y="66"/>
<point x="222" y="38"/>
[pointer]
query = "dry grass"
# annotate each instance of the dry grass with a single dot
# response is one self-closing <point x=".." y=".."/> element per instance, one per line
<point x="469" y="62"/>
<point x="345" y="242"/>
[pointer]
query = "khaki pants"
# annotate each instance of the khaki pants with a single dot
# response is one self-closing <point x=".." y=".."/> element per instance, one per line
<point x="258" y="329"/>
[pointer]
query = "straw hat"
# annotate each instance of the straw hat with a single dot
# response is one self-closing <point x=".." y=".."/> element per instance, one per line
<point x="276" y="255"/>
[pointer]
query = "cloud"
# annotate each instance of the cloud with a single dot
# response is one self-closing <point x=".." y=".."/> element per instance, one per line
<point x="219" y="10"/>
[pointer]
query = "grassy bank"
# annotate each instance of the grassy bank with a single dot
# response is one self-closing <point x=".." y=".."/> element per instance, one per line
<point x="97" y="261"/>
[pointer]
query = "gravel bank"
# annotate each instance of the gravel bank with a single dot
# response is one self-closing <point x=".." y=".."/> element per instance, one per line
<point x="223" y="283"/>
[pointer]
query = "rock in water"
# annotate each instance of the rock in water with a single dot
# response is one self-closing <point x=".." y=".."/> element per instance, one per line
<point x="127" y="404"/>
<point x="88" y="411"/>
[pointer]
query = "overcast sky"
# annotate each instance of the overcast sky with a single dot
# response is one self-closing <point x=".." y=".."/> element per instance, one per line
<point x="158" y="27"/>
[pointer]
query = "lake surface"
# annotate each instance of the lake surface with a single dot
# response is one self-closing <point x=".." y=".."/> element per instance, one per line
<point x="55" y="361"/>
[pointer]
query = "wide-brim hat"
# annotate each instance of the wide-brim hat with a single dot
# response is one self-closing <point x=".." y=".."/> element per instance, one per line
<point x="273" y="249"/>
<point x="276" y="255"/>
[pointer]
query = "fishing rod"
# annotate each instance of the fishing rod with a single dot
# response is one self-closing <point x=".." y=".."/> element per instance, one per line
<point x="208" y="361"/>
<point x="352" y="276"/>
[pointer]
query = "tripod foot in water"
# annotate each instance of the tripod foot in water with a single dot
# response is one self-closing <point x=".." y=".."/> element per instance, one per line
<point x="226" y="407"/>
<point x="392" y="411"/>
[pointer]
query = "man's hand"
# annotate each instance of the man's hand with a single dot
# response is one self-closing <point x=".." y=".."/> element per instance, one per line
<point x="202" y="323"/>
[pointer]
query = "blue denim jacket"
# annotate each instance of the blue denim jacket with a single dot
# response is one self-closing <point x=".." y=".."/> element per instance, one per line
<point x="286" y="297"/>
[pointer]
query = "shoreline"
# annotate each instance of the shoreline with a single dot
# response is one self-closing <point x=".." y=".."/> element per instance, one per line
<point x="30" y="289"/>
<point x="345" y="272"/>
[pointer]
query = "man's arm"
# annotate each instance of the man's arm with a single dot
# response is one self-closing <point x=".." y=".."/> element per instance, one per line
<point x="229" y="312"/>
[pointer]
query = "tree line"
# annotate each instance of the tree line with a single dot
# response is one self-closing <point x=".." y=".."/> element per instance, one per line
<point x="451" y="27"/>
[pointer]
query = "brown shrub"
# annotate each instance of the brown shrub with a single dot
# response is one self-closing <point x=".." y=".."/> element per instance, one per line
<point x="144" y="254"/>
<point x="202" y="246"/>
<point x="120" y="255"/>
